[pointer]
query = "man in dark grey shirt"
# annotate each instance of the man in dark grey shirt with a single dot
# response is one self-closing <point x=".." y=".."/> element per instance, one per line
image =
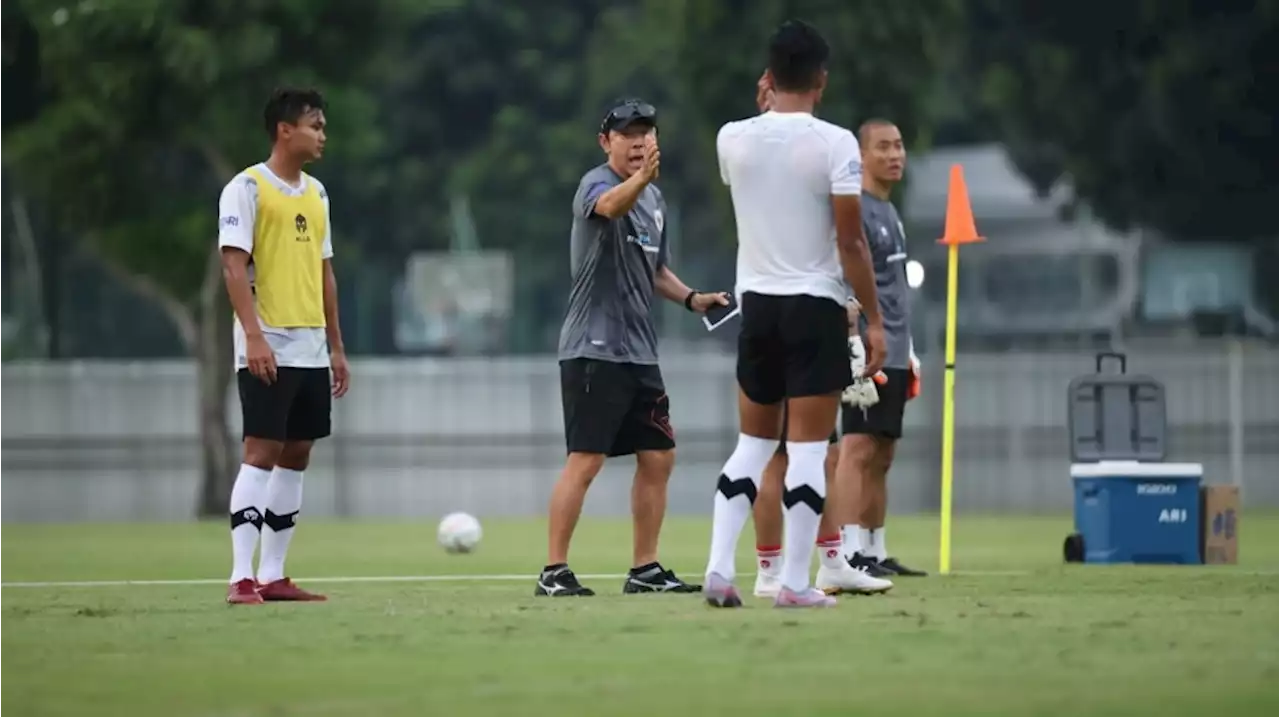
<point x="614" y="399"/>
<point x="871" y="433"/>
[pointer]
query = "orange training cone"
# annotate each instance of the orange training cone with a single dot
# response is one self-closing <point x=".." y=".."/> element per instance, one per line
<point x="960" y="228"/>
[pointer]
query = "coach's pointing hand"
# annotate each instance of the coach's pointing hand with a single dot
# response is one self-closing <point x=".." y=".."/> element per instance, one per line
<point x="701" y="302"/>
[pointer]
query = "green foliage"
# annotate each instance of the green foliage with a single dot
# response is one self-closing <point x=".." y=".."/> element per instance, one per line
<point x="148" y="106"/>
<point x="502" y="126"/>
<point x="515" y="130"/>
<point x="1163" y="114"/>
<point x="886" y="59"/>
<point x="19" y="65"/>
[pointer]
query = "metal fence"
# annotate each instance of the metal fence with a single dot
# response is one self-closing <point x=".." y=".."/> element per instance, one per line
<point x="416" y="437"/>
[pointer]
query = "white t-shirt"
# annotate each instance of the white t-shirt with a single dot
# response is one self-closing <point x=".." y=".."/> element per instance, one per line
<point x="237" y="210"/>
<point x="781" y="169"/>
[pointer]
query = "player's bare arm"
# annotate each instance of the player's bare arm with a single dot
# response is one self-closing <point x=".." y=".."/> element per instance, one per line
<point x="669" y="287"/>
<point x="333" y="332"/>
<point x="851" y="312"/>
<point x="855" y="259"/>
<point x="235" y="272"/>
<point x="619" y="200"/>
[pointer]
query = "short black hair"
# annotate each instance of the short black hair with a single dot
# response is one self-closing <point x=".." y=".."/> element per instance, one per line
<point x="865" y="128"/>
<point x="288" y="104"/>
<point x="798" y="54"/>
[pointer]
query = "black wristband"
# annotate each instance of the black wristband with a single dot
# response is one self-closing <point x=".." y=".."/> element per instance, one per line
<point x="688" y="300"/>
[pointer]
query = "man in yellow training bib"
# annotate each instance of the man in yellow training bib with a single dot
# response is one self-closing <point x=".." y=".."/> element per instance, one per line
<point x="277" y="250"/>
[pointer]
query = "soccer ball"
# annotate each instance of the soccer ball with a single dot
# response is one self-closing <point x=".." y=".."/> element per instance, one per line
<point x="459" y="533"/>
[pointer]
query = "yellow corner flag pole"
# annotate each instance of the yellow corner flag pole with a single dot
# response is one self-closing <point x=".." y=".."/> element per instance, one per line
<point x="960" y="229"/>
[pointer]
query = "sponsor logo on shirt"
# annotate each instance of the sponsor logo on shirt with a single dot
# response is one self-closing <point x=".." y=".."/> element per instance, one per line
<point x="644" y="241"/>
<point x="229" y="222"/>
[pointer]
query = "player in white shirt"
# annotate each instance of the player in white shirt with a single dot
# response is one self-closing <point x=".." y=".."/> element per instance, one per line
<point x="796" y="182"/>
<point x="276" y="242"/>
<point x="835" y="573"/>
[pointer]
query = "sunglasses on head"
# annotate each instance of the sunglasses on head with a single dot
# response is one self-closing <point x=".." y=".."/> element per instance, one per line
<point x="628" y="112"/>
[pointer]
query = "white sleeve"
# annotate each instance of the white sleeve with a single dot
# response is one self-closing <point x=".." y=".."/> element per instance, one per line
<point x="326" y="249"/>
<point x="846" y="164"/>
<point x="721" y="141"/>
<point x="237" y="209"/>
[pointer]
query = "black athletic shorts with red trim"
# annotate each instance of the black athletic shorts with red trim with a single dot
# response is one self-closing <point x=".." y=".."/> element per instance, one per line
<point x="614" y="408"/>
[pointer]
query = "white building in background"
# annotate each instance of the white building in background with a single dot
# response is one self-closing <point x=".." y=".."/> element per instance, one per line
<point x="1042" y="275"/>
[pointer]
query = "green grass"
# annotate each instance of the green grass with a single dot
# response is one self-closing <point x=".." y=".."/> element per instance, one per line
<point x="1029" y="637"/>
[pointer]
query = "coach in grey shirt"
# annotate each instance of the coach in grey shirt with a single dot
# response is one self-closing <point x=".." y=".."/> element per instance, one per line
<point x="614" y="400"/>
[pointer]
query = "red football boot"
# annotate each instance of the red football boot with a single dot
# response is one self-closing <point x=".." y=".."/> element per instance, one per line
<point x="244" y="592"/>
<point x="283" y="590"/>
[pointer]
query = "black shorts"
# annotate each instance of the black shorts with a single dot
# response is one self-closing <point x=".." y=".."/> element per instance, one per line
<point x="833" y="439"/>
<point x="614" y="408"/>
<point x="294" y="408"/>
<point x="885" y="418"/>
<point x="791" y="347"/>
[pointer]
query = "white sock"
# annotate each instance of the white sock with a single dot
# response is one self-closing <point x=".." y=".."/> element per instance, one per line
<point x="849" y="540"/>
<point x="806" y="490"/>
<point x="248" y="500"/>
<point x="735" y="494"/>
<point x="769" y="561"/>
<point x="864" y="541"/>
<point x="876" y="549"/>
<point x="829" y="553"/>
<point x="284" y="499"/>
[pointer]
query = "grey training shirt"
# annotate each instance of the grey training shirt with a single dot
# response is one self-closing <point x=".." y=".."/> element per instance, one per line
<point x="613" y="263"/>
<point x="888" y="242"/>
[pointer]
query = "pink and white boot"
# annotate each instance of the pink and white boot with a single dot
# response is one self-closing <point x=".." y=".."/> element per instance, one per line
<point x="809" y="597"/>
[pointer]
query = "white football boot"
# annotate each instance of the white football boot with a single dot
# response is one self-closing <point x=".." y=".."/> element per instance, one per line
<point x="847" y="579"/>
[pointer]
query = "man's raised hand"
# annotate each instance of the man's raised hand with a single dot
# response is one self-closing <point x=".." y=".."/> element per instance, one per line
<point x="652" y="157"/>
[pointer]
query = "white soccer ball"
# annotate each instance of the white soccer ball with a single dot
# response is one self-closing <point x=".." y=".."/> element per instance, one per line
<point x="459" y="533"/>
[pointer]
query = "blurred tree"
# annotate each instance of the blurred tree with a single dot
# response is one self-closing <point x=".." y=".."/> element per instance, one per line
<point x="489" y="124"/>
<point x="511" y="130"/>
<point x="1163" y="114"/>
<point x="147" y="107"/>
<point x="21" y="66"/>
<point x="515" y="130"/>
<point x="886" y="61"/>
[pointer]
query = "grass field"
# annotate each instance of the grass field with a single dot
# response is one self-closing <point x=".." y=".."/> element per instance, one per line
<point x="1015" y="632"/>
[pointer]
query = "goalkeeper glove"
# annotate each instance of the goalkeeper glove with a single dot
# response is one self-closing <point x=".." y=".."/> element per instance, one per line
<point x="913" y="379"/>
<point x="862" y="392"/>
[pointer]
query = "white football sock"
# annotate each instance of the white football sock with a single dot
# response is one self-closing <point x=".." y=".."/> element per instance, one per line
<point x="849" y="540"/>
<point x="735" y="494"/>
<point x="864" y="540"/>
<point x="769" y="561"/>
<point x="876" y="549"/>
<point x="829" y="553"/>
<point x="248" y="499"/>
<point x="284" y="499"/>
<point x="803" y="499"/>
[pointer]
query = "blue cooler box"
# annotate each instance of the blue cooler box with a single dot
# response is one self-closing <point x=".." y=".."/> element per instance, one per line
<point x="1132" y="512"/>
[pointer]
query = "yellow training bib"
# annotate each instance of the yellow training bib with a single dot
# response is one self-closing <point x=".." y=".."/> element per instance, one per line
<point x="288" y="240"/>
